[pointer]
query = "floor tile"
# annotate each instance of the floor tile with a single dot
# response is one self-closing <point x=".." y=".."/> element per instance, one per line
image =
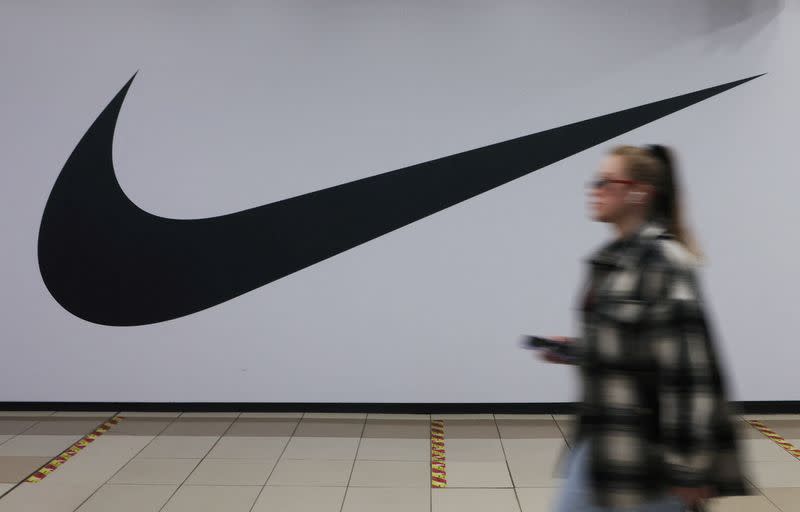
<point x="4" y="438"/>
<point x="763" y="450"/>
<point x="775" y="474"/>
<point x="45" y="497"/>
<point x="471" y="429"/>
<point x="63" y="427"/>
<point x="463" y="417"/>
<point x="275" y="427"/>
<point x="314" y="473"/>
<point x="15" y="426"/>
<point x="197" y="427"/>
<point x="231" y="472"/>
<point x="368" y="473"/>
<point x="566" y="426"/>
<point x="81" y="470"/>
<point x="37" y="446"/>
<point x="211" y="415"/>
<point x="746" y="431"/>
<point x="542" y="451"/>
<point x="152" y="415"/>
<point x="334" y="416"/>
<point x="193" y="498"/>
<point x="474" y="500"/>
<point x="15" y="469"/>
<point x="155" y="471"/>
<point x="478" y="474"/>
<point x="179" y="447"/>
<point x="742" y="504"/>
<point x="321" y="448"/>
<point x="399" y="417"/>
<point x="4" y="488"/>
<point x="365" y="499"/>
<point x="139" y="427"/>
<point x="300" y="499"/>
<point x="787" y="499"/>
<point x="271" y="415"/>
<point x="329" y="428"/>
<point x="770" y="417"/>
<point x="116" y="446"/>
<point x="533" y="499"/>
<point x="397" y="429"/>
<point x="533" y="473"/>
<point x="101" y="416"/>
<point x="501" y="417"/>
<point x="474" y="450"/>
<point x="249" y="448"/>
<point x="529" y="429"/>
<point x="128" y="498"/>
<point x="25" y="414"/>
<point x="395" y="449"/>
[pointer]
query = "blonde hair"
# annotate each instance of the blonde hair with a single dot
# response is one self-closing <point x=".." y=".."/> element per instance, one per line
<point x="654" y="165"/>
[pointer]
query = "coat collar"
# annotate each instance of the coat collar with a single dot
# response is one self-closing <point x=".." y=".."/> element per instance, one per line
<point x="626" y="252"/>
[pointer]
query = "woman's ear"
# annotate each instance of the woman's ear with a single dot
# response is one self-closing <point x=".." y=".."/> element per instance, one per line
<point x="642" y="192"/>
<point x="635" y="197"/>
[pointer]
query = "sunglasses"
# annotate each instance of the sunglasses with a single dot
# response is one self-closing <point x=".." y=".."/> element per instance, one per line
<point x="602" y="182"/>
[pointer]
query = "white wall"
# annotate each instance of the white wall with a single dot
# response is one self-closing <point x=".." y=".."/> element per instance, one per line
<point x="243" y="104"/>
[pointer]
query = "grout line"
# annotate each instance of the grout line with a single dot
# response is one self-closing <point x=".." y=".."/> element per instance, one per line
<point x="508" y="467"/>
<point x="277" y="461"/>
<point x="126" y="464"/>
<point x="353" y="468"/>
<point x="747" y="478"/>
<point x="201" y="458"/>
<point x="35" y="422"/>
<point x="563" y="434"/>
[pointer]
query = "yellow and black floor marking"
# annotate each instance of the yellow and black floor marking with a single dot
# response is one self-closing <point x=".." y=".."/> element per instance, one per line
<point x="72" y="451"/>
<point x="774" y="437"/>
<point x="438" y="462"/>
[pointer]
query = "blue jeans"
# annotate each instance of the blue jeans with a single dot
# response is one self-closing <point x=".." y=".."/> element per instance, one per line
<point x="575" y="495"/>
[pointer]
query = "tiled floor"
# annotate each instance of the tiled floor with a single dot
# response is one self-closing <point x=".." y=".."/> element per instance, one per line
<point x="261" y="462"/>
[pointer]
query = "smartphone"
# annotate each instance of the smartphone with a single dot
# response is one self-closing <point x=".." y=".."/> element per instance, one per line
<point x="539" y="343"/>
<point x="536" y="342"/>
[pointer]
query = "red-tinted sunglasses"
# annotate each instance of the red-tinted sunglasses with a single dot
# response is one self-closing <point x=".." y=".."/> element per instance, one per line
<point x="602" y="182"/>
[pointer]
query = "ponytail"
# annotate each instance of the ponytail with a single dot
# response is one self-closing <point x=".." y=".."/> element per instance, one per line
<point x="667" y="207"/>
<point x="654" y="164"/>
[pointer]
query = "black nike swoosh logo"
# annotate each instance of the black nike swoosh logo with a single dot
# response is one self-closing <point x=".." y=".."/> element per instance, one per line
<point x="108" y="261"/>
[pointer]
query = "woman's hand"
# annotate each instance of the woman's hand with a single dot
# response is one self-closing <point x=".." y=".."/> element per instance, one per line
<point x="552" y="357"/>
<point x="692" y="496"/>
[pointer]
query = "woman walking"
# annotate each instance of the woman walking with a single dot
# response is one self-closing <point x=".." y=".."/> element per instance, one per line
<point x="654" y="431"/>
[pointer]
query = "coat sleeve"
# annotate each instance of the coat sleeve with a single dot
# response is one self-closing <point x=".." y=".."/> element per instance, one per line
<point x="686" y="374"/>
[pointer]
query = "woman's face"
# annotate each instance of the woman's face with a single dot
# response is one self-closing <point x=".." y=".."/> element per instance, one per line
<point x="607" y="197"/>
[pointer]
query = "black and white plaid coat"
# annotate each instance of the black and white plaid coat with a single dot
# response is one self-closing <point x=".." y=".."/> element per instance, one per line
<point x="654" y="404"/>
